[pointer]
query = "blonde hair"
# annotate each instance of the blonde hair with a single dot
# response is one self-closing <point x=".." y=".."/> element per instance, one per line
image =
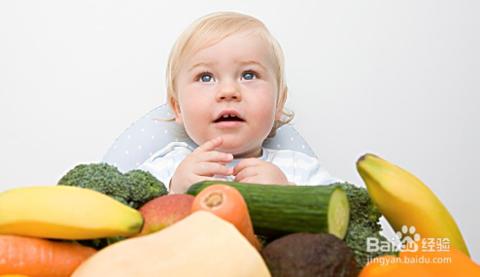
<point x="212" y="28"/>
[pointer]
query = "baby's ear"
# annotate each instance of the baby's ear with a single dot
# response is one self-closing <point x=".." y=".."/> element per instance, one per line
<point x="176" y="109"/>
<point x="278" y="114"/>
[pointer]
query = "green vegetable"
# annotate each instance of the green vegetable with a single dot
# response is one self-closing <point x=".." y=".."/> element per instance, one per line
<point x="133" y="188"/>
<point x="143" y="187"/>
<point x="364" y="223"/>
<point x="278" y="210"/>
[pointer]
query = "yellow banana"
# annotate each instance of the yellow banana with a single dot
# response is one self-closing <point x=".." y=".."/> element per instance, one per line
<point x="65" y="212"/>
<point x="405" y="200"/>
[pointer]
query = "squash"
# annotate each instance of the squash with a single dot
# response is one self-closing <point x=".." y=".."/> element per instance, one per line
<point x="202" y="244"/>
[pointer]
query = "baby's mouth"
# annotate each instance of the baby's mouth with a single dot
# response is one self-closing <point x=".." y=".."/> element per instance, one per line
<point x="229" y="118"/>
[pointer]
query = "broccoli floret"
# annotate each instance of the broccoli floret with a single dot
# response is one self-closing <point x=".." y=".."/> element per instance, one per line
<point x="103" y="178"/>
<point x="364" y="223"/>
<point x="143" y="187"/>
<point x="134" y="188"/>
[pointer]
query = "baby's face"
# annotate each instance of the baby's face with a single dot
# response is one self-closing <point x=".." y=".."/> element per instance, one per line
<point x="229" y="89"/>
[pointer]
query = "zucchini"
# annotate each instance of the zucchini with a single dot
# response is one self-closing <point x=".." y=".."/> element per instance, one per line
<point x="277" y="210"/>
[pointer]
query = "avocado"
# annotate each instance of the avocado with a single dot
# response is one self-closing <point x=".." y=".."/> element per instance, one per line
<point x="306" y="254"/>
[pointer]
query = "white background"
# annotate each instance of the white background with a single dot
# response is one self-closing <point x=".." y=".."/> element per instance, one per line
<point x="396" y="78"/>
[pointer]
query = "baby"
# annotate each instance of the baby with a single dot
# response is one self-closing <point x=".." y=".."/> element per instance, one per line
<point x="226" y="87"/>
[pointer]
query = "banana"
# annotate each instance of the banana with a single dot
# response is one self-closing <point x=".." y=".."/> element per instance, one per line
<point x="405" y="200"/>
<point x="65" y="212"/>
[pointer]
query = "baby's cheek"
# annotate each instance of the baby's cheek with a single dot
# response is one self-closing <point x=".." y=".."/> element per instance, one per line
<point x="267" y="118"/>
<point x="195" y="123"/>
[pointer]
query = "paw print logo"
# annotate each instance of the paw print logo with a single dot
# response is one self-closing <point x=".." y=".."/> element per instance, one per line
<point x="409" y="238"/>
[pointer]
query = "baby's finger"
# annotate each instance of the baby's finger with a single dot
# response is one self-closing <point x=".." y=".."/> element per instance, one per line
<point x="246" y="174"/>
<point x="210" y="169"/>
<point x="209" y="145"/>
<point x="215" y="156"/>
<point x="244" y="164"/>
<point x="251" y="179"/>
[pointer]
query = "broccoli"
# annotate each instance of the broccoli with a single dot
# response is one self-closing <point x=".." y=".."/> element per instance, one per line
<point x="364" y="223"/>
<point x="134" y="188"/>
<point x="142" y="187"/>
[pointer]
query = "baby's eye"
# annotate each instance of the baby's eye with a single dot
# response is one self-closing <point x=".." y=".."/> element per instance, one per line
<point x="205" y="77"/>
<point x="249" y="75"/>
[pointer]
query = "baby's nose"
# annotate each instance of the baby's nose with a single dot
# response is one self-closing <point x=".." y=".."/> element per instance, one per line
<point x="229" y="92"/>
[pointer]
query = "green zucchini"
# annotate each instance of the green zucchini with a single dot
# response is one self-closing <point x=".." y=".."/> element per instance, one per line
<point x="277" y="210"/>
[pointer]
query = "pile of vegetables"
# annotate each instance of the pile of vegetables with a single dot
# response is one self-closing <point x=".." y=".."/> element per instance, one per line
<point x="100" y="222"/>
<point x="281" y="210"/>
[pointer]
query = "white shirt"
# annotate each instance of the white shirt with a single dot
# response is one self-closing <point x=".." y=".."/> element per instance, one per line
<point x="299" y="168"/>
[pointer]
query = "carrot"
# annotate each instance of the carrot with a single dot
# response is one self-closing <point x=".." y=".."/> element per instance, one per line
<point x="227" y="203"/>
<point x="40" y="257"/>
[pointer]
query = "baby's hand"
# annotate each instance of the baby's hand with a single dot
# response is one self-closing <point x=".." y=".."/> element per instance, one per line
<point x="260" y="172"/>
<point x="200" y="165"/>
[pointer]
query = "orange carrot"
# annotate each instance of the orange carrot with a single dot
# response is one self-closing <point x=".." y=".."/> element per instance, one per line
<point x="227" y="203"/>
<point x="40" y="257"/>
